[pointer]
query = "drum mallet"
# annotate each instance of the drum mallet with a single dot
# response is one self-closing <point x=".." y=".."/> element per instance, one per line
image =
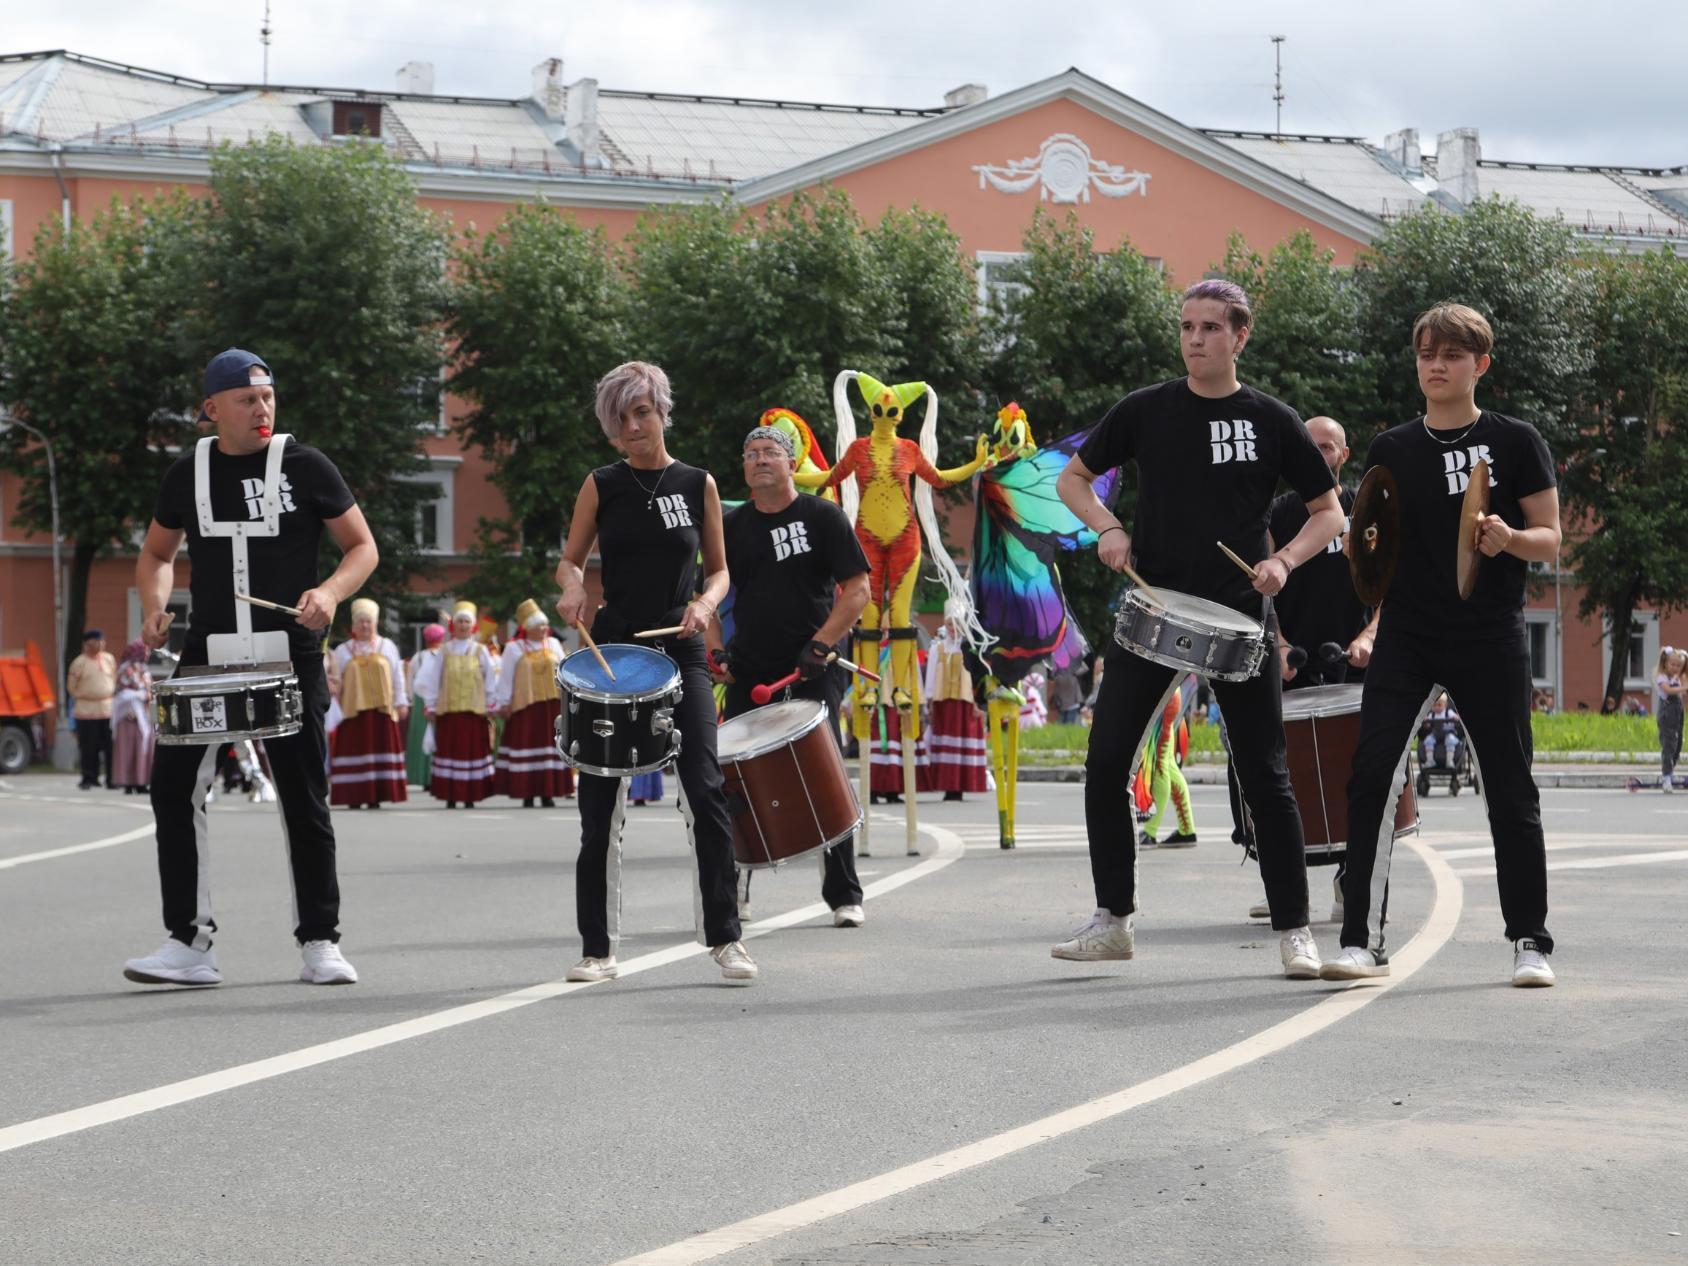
<point x="760" y="695"/>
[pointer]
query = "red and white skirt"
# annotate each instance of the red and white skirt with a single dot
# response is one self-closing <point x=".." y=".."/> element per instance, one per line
<point x="886" y="770"/>
<point x="955" y="755"/>
<point x="366" y="765"/>
<point x="528" y="761"/>
<point x="462" y="757"/>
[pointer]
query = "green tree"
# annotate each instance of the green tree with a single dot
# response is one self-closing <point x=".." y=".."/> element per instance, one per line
<point x="1306" y="348"/>
<point x="86" y="359"/>
<point x="1516" y="269"/>
<point x="539" y="312"/>
<point x="1624" y="481"/>
<point x="931" y="322"/>
<point x="1075" y="331"/>
<point x="321" y="260"/>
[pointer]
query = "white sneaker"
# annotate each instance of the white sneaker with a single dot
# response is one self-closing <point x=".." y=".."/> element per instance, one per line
<point x="1106" y="936"/>
<point x="735" y="961"/>
<point x="848" y="917"/>
<point x="173" y="963"/>
<point x="1300" y="954"/>
<point x="1529" y="966"/>
<point x="1336" y="908"/>
<point x="589" y="969"/>
<point x="1261" y="909"/>
<point x="1667" y="784"/>
<point x="1355" y="962"/>
<point x="324" y="965"/>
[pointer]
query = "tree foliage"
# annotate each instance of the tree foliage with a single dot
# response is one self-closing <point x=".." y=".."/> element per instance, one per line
<point x="321" y="260"/>
<point x="87" y="358"/>
<point x="539" y="311"/>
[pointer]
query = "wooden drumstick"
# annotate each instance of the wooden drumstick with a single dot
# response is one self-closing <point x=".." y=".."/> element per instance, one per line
<point x="857" y="669"/>
<point x="1142" y="584"/>
<point x="273" y="606"/>
<point x="668" y="632"/>
<point x="593" y="647"/>
<point x="1247" y="570"/>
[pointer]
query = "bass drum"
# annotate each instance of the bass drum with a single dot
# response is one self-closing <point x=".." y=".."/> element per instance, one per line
<point x="787" y="792"/>
<point x="1321" y="731"/>
<point x="620" y="726"/>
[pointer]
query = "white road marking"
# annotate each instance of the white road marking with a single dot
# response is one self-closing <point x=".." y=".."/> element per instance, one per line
<point x="108" y="842"/>
<point x="1595" y="863"/>
<point x="87" y="802"/>
<point x="1444" y="916"/>
<point x="1581" y="841"/>
<point x="41" y="1129"/>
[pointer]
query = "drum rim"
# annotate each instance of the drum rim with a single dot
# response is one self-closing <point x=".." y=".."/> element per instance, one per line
<point x="286" y="730"/>
<point x="825" y="844"/>
<point x="599" y="696"/>
<point x="785" y="740"/>
<point x="1170" y="661"/>
<point x="595" y="695"/>
<point x="1135" y="598"/>
<point x="1309" y="715"/>
<point x="222" y="683"/>
<point x="606" y="771"/>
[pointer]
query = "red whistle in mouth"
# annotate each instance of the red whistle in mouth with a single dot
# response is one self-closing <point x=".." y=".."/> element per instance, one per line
<point x="263" y="432"/>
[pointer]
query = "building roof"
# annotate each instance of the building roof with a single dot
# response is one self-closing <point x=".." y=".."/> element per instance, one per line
<point x="761" y="148"/>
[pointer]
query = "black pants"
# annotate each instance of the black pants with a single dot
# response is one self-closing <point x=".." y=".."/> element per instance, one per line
<point x="1133" y="692"/>
<point x="181" y="775"/>
<point x="839" y="884"/>
<point x="93" y="742"/>
<point x="1670" y="734"/>
<point x="597" y="875"/>
<point x="1488" y="679"/>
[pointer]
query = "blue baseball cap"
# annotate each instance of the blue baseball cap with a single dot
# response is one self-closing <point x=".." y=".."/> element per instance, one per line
<point x="232" y="369"/>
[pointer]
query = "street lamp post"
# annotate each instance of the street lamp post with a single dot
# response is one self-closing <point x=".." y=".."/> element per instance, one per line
<point x="61" y="731"/>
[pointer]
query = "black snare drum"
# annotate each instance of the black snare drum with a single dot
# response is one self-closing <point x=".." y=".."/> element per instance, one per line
<point x="222" y="705"/>
<point x="625" y="726"/>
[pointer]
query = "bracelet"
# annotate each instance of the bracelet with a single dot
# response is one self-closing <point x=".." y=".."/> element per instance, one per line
<point x="704" y="603"/>
<point x="1115" y="528"/>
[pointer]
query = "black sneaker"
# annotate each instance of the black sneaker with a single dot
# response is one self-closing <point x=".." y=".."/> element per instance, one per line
<point x="1180" y="839"/>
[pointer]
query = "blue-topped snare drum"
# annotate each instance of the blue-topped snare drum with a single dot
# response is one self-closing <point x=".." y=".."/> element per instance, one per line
<point x="619" y="727"/>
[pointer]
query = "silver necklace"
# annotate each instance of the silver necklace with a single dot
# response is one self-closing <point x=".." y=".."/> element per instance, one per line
<point x="1447" y="443"/>
<point x="651" y="498"/>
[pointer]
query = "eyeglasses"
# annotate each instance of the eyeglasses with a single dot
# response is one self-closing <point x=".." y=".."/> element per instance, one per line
<point x="765" y="454"/>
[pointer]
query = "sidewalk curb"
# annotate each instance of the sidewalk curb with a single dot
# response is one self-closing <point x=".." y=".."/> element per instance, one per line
<point x="1612" y="778"/>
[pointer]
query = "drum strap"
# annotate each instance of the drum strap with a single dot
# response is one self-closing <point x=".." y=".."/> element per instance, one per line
<point x="244" y="647"/>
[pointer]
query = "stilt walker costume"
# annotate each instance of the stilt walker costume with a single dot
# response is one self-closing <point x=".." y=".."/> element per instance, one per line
<point x="252" y="506"/>
<point x="529" y="765"/>
<point x="455" y="690"/>
<point x="367" y="765"/>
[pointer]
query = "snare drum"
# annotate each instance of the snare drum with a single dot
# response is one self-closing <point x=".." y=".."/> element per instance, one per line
<point x="1191" y="634"/>
<point x="1321" y="731"/>
<point x="619" y="727"/>
<point x="216" y="705"/>
<point x="787" y="791"/>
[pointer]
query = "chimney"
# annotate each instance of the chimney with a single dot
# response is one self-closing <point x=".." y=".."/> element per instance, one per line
<point x="580" y="118"/>
<point x="417" y="78"/>
<point x="1457" y="153"/>
<point x="966" y="95"/>
<point x="548" y="88"/>
<point x="1403" y="147"/>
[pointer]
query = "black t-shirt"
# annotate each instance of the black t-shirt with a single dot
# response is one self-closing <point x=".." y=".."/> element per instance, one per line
<point x="283" y="567"/>
<point x="1206" y="472"/>
<point x="1319" y="604"/>
<point x="648" y="534"/>
<point x="1432" y="475"/>
<point x="785" y="567"/>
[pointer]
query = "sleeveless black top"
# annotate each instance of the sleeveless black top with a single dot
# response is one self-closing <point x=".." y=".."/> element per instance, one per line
<point x="648" y="536"/>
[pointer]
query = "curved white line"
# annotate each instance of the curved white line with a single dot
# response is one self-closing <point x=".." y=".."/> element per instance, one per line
<point x="77" y="1119"/>
<point x="108" y="842"/>
<point x="1444" y="915"/>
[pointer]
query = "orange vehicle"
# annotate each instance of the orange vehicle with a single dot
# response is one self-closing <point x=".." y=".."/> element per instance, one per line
<point x="26" y="701"/>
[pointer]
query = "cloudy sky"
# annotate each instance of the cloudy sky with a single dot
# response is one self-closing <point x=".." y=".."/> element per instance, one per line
<point x="1547" y="81"/>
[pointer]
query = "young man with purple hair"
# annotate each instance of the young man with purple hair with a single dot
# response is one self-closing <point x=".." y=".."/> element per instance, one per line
<point x="1209" y="454"/>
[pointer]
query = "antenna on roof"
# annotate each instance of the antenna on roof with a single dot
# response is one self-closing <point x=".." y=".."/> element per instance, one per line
<point x="264" y="33"/>
<point x="1278" y="80"/>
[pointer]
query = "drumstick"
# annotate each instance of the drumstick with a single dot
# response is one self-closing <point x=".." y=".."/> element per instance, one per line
<point x="1247" y="570"/>
<point x="593" y="647"/>
<point x="1143" y="585"/>
<point x="761" y="694"/>
<point x="858" y="670"/>
<point x="668" y="632"/>
<point x="273" y="606"/>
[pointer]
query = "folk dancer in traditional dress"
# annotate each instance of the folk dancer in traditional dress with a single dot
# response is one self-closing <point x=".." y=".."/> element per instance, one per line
<point x="367" y="763"/>
<point x="529" y="766"/>
<point x="455" y="690"/>
<point x="955" y="733"/>
<point x="131" y="722"/>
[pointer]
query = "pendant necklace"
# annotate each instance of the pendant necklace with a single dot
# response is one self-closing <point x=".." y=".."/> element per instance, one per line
<point x="651" y="492"/>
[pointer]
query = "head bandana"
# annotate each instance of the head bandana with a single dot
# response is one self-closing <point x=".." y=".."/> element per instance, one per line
<point x="776" y="435"/>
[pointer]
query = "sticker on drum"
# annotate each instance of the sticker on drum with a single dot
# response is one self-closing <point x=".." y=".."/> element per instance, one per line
<point x="208" y="715"/>
<point x="640" y="673"/>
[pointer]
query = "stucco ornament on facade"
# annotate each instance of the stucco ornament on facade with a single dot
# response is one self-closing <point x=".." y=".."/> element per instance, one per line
<point x="1067" y="172"/>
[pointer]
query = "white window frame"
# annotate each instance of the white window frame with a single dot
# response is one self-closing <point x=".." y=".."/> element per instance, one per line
<point x="443" y="472"/>
<point x="983" y="260"/>
<point x="5" y="228"/>
<point x="1649" y="622"/>
<point x="1549" y="621"/>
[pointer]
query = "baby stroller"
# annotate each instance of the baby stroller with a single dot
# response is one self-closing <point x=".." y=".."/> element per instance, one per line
<point x="1442" y="754"/>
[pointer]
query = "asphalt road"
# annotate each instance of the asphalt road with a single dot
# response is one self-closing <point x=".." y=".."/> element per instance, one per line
<point x="932" y="1088"/>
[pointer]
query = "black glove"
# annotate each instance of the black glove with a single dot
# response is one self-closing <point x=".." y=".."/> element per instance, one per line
<point x="811" y="660"/>
<point x="719" y="659"/>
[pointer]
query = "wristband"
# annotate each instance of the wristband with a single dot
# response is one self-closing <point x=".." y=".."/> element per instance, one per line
<point x="1115" y="528"/>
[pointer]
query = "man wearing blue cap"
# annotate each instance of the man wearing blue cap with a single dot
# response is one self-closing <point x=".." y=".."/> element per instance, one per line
<point x="251" y="505"/>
